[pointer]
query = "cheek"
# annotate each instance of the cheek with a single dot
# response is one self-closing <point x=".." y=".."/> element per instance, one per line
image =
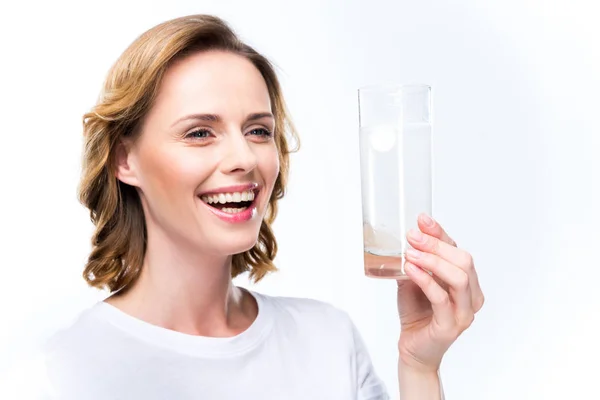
<point x="168" y="172"/>
<point x="269" y="164"/>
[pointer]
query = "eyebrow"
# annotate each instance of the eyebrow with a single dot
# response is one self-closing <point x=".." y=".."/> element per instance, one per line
<point x="217" y="118"/>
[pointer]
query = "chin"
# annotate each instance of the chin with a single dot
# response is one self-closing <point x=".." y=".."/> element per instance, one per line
<point x="233" y="243"/>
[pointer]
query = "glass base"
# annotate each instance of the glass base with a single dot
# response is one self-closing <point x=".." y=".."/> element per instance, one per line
<point x="386" y="267"/>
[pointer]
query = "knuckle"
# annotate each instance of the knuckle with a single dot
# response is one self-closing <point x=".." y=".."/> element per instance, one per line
<point x="467" y="260"/>
<point x="479" y="302"/>
<point x="462" y="281"/>
<point x="464" y="320"/>
<point x="442" y="299"/>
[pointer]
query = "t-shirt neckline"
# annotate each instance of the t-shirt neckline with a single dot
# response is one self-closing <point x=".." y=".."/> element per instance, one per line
<point x="201" y="346"/>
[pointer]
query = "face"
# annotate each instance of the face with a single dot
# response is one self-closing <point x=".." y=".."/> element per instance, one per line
<point x="205" y="161"/>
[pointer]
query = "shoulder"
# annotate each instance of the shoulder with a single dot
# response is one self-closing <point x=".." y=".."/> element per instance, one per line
<point x="309" y="317"/>
<point x="75" y="335"/>
<point x="67" y="352"/>
<point x="320" y="328"/>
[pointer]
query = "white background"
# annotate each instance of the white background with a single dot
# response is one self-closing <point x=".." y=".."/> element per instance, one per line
<point x="516" y="131"/>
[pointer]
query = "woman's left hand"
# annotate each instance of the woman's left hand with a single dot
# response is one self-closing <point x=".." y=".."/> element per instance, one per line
<point x="435" y="308"/>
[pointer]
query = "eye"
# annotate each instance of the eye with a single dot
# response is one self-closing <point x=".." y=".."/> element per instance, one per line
<point x="261" y="132"/>
<point x="198" y="134"/>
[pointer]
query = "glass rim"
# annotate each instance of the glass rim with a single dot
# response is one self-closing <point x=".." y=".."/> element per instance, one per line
<point x="392" y="87"/>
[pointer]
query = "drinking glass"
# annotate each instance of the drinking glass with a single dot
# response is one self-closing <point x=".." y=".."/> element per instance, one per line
<point x="396" y="172"/>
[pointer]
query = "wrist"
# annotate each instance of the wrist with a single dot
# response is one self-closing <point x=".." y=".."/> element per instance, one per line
<point x="415" y="366"/>
<point x="418" y="382"/>
<point x="418" y="372"/>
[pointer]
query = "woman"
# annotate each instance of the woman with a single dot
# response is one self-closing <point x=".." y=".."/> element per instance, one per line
<point x="185" y="159"/>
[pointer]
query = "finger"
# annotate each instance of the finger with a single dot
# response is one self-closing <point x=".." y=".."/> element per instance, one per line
<point x="455" y="278"/>
<point x="443" y="312"/>
<point x="454" y="255"/>
<point x="429" y="226"/>
<point x="431" y="244"/>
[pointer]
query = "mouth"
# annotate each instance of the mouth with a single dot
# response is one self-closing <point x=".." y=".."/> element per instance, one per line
<point x="232" y="201"/>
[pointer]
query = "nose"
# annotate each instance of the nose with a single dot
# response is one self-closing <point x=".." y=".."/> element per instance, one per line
<point x="240" y="157"/>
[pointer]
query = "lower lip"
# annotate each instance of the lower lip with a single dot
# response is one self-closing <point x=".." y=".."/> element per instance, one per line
<point x="241" y="216"/>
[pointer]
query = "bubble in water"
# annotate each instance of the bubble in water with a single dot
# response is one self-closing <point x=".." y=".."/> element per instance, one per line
<point x="382" y="138"/>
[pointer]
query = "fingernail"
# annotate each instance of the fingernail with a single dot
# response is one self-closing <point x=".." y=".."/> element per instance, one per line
<point x="410" y="267"/>
<point x="427" y="220"/>
<point x="416" y="235"/>
<point x="412" y="253"/>
<point x="413" y="268"/>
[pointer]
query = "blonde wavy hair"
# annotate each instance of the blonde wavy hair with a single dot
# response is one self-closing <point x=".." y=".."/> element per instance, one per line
<point x="119" y="240"/>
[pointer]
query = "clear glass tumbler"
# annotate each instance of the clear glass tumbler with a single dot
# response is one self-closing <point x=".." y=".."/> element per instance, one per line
<point x="396" y="172"/>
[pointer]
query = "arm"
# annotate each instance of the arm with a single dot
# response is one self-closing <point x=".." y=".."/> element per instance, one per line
<point x="436" y="304"/>
<point x="418" y="385"/>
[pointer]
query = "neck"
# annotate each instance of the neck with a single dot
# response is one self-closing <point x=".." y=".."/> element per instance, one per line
<point x="180" y="289"/>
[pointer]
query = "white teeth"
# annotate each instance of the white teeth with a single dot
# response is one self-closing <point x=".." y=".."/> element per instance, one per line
<point x="229" y="197"/>
<point x="230" y="210"/>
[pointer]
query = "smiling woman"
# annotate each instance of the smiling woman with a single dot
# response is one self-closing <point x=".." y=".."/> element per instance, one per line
<point x="186" y="156"/>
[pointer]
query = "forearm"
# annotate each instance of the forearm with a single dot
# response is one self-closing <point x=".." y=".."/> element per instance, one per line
<point x="418" y="385"/>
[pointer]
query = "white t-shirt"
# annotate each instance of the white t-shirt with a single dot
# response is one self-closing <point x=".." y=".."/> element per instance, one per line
<point x="295" y="349"/>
